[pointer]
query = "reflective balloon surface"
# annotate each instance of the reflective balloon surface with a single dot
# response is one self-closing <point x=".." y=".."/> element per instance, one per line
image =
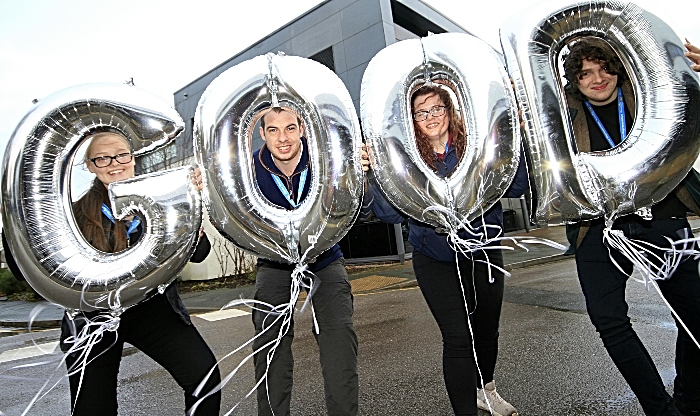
<point x="476" y="75"/>
<point x="37" y="213"/>
<point x="225" y="117"/>
<point x="664" y="140"/>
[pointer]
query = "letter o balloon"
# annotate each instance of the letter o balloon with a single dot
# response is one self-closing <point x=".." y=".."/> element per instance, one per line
<point x="663" y="142"/>
<point x="475" y="74"/>
<point x="224" y="119"/>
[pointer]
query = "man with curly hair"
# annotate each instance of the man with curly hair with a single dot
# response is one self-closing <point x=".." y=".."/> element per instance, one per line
<point x="602" y="106"/>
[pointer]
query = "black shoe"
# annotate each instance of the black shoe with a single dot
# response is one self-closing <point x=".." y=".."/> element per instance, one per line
<point x="685" y="411"/>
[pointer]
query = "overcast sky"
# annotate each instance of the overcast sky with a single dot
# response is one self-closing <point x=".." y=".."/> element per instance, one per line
<point x="48" y="45"/>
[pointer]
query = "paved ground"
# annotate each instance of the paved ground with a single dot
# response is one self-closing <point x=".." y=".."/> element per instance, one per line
<point x="551" y="361"/>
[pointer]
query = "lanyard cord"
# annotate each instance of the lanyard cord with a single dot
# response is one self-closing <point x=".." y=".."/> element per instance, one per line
<point x="132" y="227"/>
<point x="620" y="116"/>
<point x="285" y="191"/>
<point x="447" y="148"/>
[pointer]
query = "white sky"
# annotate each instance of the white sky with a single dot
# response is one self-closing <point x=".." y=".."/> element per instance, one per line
<point x="48" y="45"/>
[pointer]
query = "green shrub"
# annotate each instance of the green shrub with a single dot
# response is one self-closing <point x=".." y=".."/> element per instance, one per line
<point x="15" y="289"/>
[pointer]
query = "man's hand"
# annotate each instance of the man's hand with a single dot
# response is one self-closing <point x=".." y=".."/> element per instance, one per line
<point x="693" y="54"/>
<point x="364" y="158"/>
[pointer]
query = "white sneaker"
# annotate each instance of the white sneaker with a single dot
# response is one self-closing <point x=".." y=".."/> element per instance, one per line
<point x="499" y="406"/>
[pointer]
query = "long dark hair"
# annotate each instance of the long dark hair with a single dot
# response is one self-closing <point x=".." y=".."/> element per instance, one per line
<point x="455" y="129"/>
<point x="88" y="214"/>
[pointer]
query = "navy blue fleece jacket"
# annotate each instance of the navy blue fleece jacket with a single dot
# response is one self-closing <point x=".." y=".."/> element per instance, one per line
<point x="264" y="169"/>
<point x="422" y="236"/>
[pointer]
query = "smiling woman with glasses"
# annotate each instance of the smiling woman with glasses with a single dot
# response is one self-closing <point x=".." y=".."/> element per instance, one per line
<point x="441" y="141"/>
<point x="437" y="125"/>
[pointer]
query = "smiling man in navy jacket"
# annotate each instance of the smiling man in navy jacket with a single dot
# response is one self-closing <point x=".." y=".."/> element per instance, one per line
<point x="282" y="171"/>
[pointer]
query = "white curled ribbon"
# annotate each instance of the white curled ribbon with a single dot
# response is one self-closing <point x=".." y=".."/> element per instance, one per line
<point x="82" y="342"/>
<point x="281" y="314"/>
<point x="41" y="393"/>
<point x="651" y="266"/>
<point x="85" y="340"/>
<point x="479" y="241"/>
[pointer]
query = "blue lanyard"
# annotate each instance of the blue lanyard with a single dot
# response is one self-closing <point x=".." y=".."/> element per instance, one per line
<point x="285" y="191"/>
<point x="447" y="147"/>
<point x="620" y="116"/>
<point x="132" y="227"/>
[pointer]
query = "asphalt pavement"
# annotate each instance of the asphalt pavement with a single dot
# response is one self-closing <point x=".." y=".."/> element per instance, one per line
<point x="551" y="360"/>
<point x="16" y="315"/>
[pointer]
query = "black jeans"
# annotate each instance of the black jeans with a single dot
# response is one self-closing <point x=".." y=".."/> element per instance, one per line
<point x="441" y="288"/>
<point x="604" y="288"/>
<point x="159" y="332"/>
<point x="337" y="341"/>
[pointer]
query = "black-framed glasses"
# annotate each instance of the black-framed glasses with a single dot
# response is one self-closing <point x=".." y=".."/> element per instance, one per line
<point x="435" y="111"/>
<point x="104" y="161"/>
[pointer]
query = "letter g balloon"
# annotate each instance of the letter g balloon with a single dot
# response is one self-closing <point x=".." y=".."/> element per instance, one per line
<point x="37" y="212"/>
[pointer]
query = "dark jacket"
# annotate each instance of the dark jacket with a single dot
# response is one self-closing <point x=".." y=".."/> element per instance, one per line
<point x="688" y="191"/>
<point x="264" y="169"/>
<point x="423" y="237"/>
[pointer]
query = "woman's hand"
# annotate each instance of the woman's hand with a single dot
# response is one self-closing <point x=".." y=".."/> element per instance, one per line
<point x="693" y="54"/>
<point x="196" y="178"/>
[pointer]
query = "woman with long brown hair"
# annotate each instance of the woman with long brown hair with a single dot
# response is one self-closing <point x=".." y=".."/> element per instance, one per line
<point x="160" y="326"/>
<point x="441" y="140"/>
<point x="436" y="124"/>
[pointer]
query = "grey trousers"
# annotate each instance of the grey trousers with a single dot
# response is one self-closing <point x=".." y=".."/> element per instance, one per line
<point x="333" y="305"/>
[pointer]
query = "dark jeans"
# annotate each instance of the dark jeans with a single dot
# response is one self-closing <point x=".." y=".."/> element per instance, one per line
<point x="159" y="332"/>
<point x="441" y="288"/>
<point x="604" y="288"/>
<point x="333" y="307"/>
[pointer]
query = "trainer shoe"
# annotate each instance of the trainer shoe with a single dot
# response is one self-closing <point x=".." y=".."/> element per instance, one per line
<point x="499" y="406"/>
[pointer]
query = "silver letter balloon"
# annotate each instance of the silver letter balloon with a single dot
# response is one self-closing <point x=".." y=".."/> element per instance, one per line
<point x="38" y="219"/>
<point x="225" y="117"/>
<point x="664" y="141"/>
<point x="475" y="74"/>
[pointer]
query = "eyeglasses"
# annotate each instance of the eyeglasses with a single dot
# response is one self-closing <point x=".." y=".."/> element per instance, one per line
<point x="104" y="161"/>
<point x="435" y="111"/>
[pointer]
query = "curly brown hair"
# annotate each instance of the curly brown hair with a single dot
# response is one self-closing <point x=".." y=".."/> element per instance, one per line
<point x="595" y="50"/>
<point x="456" y="128"/>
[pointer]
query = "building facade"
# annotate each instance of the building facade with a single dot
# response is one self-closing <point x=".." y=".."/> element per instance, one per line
<point x="343" y="35"/>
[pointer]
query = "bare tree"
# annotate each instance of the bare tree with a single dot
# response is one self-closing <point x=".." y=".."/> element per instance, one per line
<point x="232" y="260"/>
